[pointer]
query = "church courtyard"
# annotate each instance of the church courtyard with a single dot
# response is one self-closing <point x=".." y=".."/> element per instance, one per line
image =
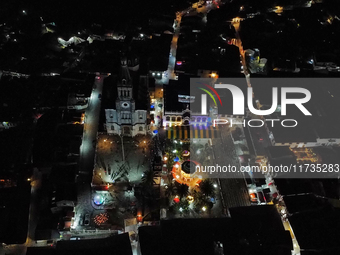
<point x="121" y="159"/>
<point x="120" y="163"/>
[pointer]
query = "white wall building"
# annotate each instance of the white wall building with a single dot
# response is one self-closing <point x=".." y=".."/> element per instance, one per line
<point x="125" y="119"/>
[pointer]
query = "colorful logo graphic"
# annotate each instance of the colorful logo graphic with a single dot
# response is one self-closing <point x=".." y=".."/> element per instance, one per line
<point x="209" y="93"/>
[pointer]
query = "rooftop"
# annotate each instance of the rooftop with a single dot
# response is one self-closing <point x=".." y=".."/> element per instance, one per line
<point x="322" y="235"/>
<point x="240" y="234"/>
<point x="173" y="90"/>
<point x="114" y="245"/>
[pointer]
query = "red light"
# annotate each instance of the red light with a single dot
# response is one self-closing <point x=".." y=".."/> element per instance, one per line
<point x="179" y="63"/>
<point x="176" y="200"/>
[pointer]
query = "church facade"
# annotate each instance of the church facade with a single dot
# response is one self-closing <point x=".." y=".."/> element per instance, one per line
<point x="125" y="119"/>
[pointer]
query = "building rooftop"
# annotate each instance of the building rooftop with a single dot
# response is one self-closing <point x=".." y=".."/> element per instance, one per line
<point x="275" y="152"/>
<point x="14" y="213"/>
<point x="309" y="128"/>
<point x="113" y="245"/>
<point x="250" y="230"/>
<point x="323" y="234"/>
<point x="320" y="187"/>
<point x="173" y="90"/>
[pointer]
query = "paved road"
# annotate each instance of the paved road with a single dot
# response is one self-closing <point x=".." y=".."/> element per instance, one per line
<point x="173" y="47"/>
<point x="261" y="131"/>
<point x="236" y="25"/>
<point x="234" y="189"/>
<point x="87" y="150"/>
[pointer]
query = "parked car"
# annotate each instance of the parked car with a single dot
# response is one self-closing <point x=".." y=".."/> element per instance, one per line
<point x="87" y="219"/>
<point x="81" y="220"/>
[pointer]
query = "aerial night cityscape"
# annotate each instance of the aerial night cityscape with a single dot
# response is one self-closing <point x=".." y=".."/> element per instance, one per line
<point x="170" y="127"/>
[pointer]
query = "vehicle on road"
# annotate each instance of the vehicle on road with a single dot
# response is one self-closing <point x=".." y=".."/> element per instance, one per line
<point x="50" y="242"/>
<point x="75" y="238"/>
<point x="87" y="219"/>
<point x="259" y="137"/>
<point x="81" y="220"/>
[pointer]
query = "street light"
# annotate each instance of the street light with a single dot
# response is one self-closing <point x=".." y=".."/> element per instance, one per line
<point x="121" y="138"/>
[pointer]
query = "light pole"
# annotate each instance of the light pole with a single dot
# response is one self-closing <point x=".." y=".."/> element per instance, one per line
<point x="121" y="138"/>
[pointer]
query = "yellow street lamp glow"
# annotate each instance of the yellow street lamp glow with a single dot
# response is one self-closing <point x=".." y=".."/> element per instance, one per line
<point x="190" y="199"/>
<point x="165" y="158"/>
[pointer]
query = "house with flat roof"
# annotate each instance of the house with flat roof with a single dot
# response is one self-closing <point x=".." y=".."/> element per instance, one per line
<point x="249" y="231"/>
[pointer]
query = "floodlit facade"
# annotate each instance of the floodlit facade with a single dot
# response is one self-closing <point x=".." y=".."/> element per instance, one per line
<point x="125" y="119"/>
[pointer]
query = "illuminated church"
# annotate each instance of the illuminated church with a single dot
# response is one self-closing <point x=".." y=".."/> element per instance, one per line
<point x="125" y="119"/>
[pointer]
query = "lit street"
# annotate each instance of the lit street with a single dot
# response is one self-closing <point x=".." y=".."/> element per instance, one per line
<point x="87" y="150"/>
<point x="170" y="127"/>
